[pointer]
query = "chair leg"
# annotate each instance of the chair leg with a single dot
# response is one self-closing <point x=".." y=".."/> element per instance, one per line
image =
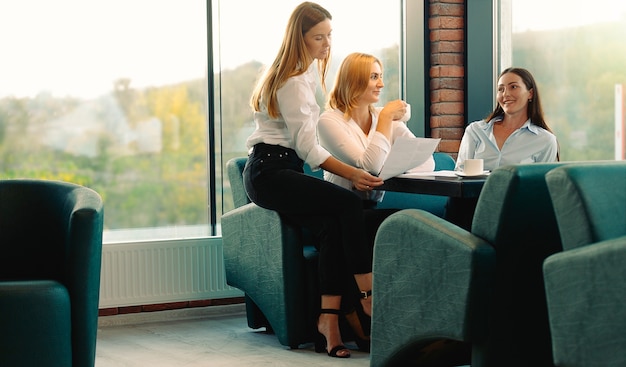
<point x="256" y="318"/>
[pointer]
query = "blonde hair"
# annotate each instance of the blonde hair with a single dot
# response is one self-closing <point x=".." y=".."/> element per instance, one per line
<point x="351" y="82"/>
<point x="293" y="57"/>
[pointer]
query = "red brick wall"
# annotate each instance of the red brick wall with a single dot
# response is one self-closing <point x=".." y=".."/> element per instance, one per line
<point x="446" y="23"/>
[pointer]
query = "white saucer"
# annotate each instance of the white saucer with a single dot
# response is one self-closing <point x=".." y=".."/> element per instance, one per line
<point x="461" y="174"/>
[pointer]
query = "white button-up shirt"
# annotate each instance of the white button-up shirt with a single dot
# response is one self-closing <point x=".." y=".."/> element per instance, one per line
<point x="346" y="141"/>
<point x="528" y="144"/>
<point x="296" y="126"/>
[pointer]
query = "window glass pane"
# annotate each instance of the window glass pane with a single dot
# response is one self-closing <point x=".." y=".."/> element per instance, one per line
<point x="111" y="95"/>
<point x="369" y="26"/>
<point x="576" y="52"/>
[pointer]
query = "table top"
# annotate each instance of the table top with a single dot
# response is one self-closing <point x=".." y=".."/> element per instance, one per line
<point x="460" y="187"/>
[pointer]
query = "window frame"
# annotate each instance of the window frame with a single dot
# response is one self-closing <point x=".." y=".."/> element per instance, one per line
<point x="414" y="52"/>
<point x="481" y="57"/>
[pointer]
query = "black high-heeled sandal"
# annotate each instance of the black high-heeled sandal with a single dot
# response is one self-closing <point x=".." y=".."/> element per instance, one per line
<point x="321" y="344"/>
<point x="365" y="295"/>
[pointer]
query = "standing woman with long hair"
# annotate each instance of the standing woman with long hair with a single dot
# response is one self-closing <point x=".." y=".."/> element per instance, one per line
<point x="286" y="115"/>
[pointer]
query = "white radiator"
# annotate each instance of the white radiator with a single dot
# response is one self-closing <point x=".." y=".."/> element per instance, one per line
<point x="143" y="273"/>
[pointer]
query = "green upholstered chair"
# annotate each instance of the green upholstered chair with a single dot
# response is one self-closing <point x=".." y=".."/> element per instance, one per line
<point x="586" y="283"/>
<point x="275" y="263"/>
<point x="436" y="281"/>
<point x="51" y="243"/>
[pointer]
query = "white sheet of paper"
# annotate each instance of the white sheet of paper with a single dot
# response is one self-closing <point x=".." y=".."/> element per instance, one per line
<point x="434" y="174"/>
<point x="427" y="175"/>
<point x="407" y="153"/>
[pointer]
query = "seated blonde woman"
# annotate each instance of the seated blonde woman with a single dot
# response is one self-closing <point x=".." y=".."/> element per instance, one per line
<point x="357" y="132"/>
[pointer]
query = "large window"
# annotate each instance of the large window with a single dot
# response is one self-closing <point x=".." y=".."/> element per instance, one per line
<point x="576" y="52"/>
<point x="110" y="95"/>
<point x="113" y="95"/>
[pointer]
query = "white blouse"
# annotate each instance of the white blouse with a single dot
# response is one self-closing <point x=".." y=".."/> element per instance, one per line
<point x="528" y="144"/>
<point x="296" y="125"/>
<point x="347" y="142"/>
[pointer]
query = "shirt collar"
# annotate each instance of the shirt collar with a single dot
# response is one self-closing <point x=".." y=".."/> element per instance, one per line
<point x="527" y="125"/>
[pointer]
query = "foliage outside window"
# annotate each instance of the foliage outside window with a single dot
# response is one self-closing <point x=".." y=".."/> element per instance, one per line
<point x="577" y="56"/>
<point x="110" y="95"/>
<point x="113" y="95"/>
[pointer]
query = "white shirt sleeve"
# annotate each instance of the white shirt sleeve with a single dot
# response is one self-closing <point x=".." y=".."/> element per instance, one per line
<point x="346" y="142"/>
<point x="300" y="112"/>
<point x="467" y="147"/>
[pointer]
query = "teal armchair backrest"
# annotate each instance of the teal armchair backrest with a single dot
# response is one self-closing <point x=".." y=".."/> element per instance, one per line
<point x="443" y="161"/>
<point x="515" y="215"/>
<point x="51" y="246"/>
<point x="586" y="283"/>
<point x="234" y="168"/>
<point x="589" y="209"/>
<point x="514" y="209"/>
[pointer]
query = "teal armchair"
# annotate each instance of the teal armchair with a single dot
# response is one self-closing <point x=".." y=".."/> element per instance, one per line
<point x="51" y="243"/>
<point x="586" y="283"/>
<point x="434" y="281"/>
<point x="275" y="263"/>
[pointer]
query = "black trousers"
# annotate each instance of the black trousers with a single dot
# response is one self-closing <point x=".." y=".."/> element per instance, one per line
<point x="274" y="179"/>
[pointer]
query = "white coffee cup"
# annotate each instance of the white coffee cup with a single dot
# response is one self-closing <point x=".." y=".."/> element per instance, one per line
<point x="407" y="115"/>
<point x="473" y="167"/>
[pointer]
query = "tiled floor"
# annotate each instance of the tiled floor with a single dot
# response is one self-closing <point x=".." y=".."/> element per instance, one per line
<point x="212" y="336"/>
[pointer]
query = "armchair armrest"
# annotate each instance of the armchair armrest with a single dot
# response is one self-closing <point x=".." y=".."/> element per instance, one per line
<point x="256" y="236"/>
<point x="585" y="290"/>
<point x="259" y="249"/>
<point x="84" y="246"/>
<point x="432" y="280"/>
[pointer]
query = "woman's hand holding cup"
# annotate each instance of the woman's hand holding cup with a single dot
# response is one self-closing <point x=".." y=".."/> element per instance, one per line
<point x="398" y="110"/>
<point x="407" y="114"/>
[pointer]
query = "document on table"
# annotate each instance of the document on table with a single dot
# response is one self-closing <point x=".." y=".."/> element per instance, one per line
<point x="442" y="173"/>
<point x="431" y="175"/>
<point x="407" y="153"/>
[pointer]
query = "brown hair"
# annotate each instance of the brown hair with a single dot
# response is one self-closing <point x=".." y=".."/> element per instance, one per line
<point x="533" y="109"/>
<point x="293" y="57"/>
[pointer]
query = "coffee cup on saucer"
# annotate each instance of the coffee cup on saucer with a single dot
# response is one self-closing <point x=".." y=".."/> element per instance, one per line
<point x="473" y="167"/>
